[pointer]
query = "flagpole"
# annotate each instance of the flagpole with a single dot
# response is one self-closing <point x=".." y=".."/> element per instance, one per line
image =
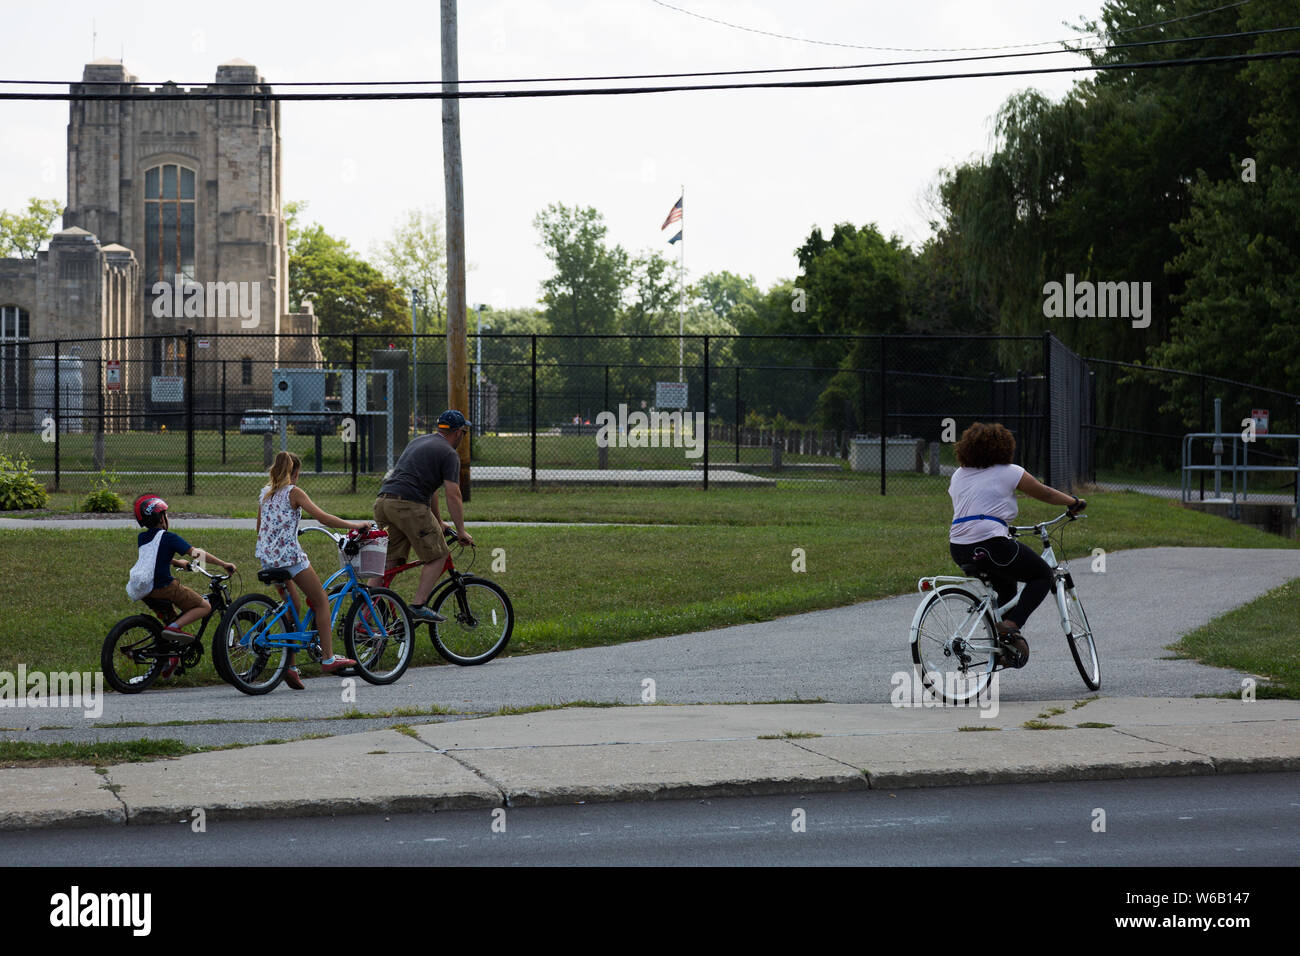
<point x="681" y="290"/>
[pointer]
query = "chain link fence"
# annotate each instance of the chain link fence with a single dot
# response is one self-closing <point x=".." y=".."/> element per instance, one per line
<point x="193" y="414"/>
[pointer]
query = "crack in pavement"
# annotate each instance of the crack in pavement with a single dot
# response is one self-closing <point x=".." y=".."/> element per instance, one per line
<point x="113" y="788"/>
<point x="505" y="797"/>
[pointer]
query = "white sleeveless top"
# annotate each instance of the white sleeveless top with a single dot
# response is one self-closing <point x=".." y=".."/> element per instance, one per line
<point x="983" y="491"/>
<point x="277" y="541"/>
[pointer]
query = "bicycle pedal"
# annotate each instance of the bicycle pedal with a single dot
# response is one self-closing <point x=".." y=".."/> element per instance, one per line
<point x="1015" y="652"/>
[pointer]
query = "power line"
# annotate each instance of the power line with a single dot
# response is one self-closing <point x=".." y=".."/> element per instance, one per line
<point x="709" y="73"/>
<point x="633" y="90"/>
<point x="960" y="49"/>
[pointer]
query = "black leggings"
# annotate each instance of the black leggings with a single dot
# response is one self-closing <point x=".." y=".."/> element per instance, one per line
<point x="1007" y="561"/>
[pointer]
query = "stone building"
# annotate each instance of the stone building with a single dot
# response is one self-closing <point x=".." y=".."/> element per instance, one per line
<point x="173" y="231"/>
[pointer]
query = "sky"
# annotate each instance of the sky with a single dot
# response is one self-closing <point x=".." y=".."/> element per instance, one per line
<point x="759" y="168"/>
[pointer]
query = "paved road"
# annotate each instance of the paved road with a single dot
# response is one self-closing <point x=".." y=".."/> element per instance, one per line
<point x="1145" y="600"/>
<point x="1232" y="820"/>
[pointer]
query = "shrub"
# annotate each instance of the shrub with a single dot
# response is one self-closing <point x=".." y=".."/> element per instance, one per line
<point x="103" y="498"/>
<point x="19" y="488"/>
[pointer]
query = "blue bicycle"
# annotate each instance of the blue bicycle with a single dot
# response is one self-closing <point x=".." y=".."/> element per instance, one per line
<point x="257" y="633"/>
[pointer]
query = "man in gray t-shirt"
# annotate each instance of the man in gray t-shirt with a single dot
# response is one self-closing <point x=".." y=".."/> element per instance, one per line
<point x="407" y="506"/>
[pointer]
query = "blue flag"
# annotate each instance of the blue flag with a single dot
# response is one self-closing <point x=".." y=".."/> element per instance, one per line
<point x="675" y="238"/>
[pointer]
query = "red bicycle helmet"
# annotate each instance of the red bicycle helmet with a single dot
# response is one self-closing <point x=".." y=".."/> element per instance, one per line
<point x="148" y="504"/>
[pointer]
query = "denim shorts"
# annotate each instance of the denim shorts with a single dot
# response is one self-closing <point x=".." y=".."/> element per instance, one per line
<point x="294" y="569"/>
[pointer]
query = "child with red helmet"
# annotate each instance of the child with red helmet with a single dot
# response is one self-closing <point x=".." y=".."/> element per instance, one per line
<point x="160" y="550"/>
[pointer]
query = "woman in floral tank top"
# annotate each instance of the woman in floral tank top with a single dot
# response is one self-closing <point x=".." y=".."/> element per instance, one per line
<point x="280" y="506"/>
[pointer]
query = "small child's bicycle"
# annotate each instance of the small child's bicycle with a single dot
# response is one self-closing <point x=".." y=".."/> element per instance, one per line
<point x="135" y="651"/>
<point x="954" y="638"/>
<point x="258" y="633"/>
<point x="478" y="612"/>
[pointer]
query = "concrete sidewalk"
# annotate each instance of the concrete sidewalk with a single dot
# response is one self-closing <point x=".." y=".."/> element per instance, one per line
<point x="657" y="752"/>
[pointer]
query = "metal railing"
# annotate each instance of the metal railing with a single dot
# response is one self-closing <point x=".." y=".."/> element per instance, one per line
<point x="1237" y="466"/>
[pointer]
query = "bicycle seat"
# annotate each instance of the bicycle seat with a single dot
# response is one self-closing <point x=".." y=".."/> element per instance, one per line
<point x="975" y="571"/>
<point x="272" y="575"/>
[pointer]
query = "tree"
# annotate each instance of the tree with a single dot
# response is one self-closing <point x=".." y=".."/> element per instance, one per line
<point x="585" y="291"/>
<point x="22" y="234"/>
<point x="854" y="280"/>
<point x="652" y="308"/>
<point x="293" y="228"/>
<point x="1240" y="252"/>
<point x="415" y="257"/>
<point x="723" y="291"/>
<point x="348" y="294"/>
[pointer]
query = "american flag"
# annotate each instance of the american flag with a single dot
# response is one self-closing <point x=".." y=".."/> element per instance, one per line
<point x="674" y="214"/>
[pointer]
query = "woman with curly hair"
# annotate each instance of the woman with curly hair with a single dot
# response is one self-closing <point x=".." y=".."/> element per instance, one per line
<point x="983" y="491"/>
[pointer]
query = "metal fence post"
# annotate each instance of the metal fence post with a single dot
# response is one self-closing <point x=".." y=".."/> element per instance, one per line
<point x="1205" y="427"/>
<point x="223" y="411"/>
<point x="99" y="396"/>
<point x="533" y="416"/>
<point x="189" y="411"/>
<point x="706" y="413"/>
<point x="1047" y="408"/>
<point x="883" y="423"/>
<point x="737" y="408"/>
<point x="356" y="421"/>
<point x="58" y="401"/>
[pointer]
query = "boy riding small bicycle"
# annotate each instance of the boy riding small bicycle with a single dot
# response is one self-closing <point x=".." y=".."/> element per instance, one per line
<point x="159" y="550"/>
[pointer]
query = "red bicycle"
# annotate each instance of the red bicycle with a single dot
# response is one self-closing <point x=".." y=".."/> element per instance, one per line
<point x="478" y="612"/>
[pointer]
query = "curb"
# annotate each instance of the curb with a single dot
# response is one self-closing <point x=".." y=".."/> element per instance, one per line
<point x="562" y="796"/>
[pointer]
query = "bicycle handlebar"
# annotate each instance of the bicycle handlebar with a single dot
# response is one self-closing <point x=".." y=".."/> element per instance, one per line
<point x="1044" y="525"/>
<point x="326" y="531"/>
<point x="211" y="577"/>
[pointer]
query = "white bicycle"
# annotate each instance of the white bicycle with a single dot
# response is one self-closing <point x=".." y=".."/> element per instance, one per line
<point x="955" y="645"/>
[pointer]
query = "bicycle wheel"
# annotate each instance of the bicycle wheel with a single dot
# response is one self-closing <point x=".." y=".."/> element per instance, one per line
<point x="953" y="652"/>
<point x="131" y="657"/>
<point x="380" y="641"/>
<point x="1079" y="636"/>
<point x="479" y="621"/>
<point x="239" y="648"/>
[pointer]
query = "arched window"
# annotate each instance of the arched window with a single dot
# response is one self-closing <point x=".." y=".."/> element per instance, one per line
<point x="246" y="370"/>
<point x="168" y="224"/>
<point x="15" y="330"/>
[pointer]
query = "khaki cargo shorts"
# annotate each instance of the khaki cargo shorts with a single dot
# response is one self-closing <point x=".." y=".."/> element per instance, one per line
<point x="160" y="601"/>
<point x="410" y="525"/>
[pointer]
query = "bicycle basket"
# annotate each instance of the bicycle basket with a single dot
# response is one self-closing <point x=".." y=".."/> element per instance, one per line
<point x="365" y="553"/>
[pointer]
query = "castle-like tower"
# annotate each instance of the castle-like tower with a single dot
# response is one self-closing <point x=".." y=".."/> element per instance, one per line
<point x="192" y="187"/>
<point x="173" y="231"/>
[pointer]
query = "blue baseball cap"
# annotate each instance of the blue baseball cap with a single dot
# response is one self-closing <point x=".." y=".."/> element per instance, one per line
<point x="452" y="419"/>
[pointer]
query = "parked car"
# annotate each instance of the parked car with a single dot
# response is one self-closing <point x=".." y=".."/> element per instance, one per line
<point x="257" y="421"/>
<point x="324" y="424"/>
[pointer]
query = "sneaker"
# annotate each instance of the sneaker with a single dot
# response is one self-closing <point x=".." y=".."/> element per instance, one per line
<point x="338" y="663"/>
<point x="423" y="613"/>
<point x="170" y="667"/>
<point x="176" y="635"/>
<point x="293" y="679"/>
<point x="1015" y="649"/>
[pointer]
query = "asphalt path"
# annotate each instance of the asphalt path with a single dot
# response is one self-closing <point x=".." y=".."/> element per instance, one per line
<point x="1145" y="600"/>
<point x="1222" y="820"/>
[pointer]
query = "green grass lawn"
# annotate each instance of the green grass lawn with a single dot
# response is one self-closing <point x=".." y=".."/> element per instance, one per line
<point x="1262" y="637"/>
<point x="728" y="561"/>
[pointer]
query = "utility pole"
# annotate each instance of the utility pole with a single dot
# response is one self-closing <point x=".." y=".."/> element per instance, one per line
<point x="457" y="350"/>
